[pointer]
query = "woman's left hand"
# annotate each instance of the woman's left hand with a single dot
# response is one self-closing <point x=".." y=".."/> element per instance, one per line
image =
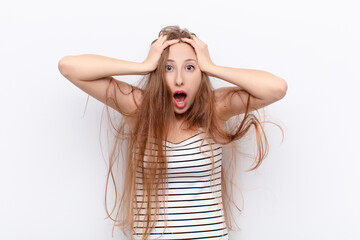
<point x="202" y="53"/>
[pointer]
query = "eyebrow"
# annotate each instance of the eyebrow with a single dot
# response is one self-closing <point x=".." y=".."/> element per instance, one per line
<point x="187" y="60"/>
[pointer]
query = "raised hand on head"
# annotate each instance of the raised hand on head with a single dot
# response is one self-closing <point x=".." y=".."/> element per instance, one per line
<point x="202" y="52"/>
<point x="156" y="50"/>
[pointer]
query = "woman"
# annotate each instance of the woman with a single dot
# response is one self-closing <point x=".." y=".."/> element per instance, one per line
<point x="177" y="125"/>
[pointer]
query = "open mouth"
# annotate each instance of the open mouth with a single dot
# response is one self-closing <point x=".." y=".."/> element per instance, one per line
<point x="180" y="98"/>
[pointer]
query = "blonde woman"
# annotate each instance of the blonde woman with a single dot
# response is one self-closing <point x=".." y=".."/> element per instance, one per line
<point x="176" y="127"/>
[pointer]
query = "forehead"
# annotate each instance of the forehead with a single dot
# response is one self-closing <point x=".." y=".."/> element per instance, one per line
<point x="180" y="51"/>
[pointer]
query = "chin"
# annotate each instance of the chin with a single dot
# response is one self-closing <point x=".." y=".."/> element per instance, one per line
<point x="181" y="111"/>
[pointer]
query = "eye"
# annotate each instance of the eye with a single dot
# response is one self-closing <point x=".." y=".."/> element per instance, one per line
<point x="168" y="68"/>
<point x="190" y="67"/>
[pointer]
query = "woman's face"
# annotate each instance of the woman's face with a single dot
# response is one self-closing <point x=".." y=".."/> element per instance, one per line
<point x="182" y="75"/>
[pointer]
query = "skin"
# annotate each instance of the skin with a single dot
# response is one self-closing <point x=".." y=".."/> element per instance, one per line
<point x="183" y="73"/>
<point x="263" y="87"/>
<point x="92" y="74"/>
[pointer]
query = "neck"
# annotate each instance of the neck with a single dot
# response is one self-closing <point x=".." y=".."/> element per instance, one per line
<point x="178" y="122"/>
<point x="179" y="117"/>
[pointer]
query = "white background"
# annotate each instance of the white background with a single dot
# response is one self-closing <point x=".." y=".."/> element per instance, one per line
<point x="52" y="173"/>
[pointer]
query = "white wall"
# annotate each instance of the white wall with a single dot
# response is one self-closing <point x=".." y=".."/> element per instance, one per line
<point x="52" y="174"/>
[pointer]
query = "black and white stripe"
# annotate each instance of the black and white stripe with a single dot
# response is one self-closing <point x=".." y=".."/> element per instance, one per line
<point x="194" y="205"/>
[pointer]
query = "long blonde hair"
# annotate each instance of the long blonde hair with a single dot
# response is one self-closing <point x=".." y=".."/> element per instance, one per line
<point x="153" y="118"/>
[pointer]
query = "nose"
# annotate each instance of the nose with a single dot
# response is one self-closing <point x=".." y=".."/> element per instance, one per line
<point x="179" y="80"/>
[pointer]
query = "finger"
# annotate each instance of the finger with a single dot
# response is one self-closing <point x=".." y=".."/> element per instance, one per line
<point x="162" y="39"/>
<point x="170" y="42"/>
<point x="157" y="41"/>
<point x="198" y="42"/>
<point x="195" y="38"/>
<point x="188" y="40"/>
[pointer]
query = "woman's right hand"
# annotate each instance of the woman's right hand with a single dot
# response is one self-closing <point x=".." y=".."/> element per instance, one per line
<point x="156" y="50"/>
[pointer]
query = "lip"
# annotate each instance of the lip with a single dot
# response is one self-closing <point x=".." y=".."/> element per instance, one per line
<point x="179" y="91"/>
<point x="179" y="104"/>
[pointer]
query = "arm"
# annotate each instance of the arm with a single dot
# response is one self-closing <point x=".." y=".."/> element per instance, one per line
<point x="92" y="67"/>
<point x="260" y="84"/>
<point x="264" y="88"/>
<point x="93" y="74"/>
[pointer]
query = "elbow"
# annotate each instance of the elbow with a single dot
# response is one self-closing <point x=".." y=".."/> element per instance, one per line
<point x="64" y="67"/>
<point x="281" y="89"/>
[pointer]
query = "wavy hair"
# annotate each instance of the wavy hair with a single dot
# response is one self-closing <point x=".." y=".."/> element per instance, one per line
<point x="152" y="119"/>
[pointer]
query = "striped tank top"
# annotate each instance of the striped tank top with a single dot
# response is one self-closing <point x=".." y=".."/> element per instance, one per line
<point x="194" y="208"/>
